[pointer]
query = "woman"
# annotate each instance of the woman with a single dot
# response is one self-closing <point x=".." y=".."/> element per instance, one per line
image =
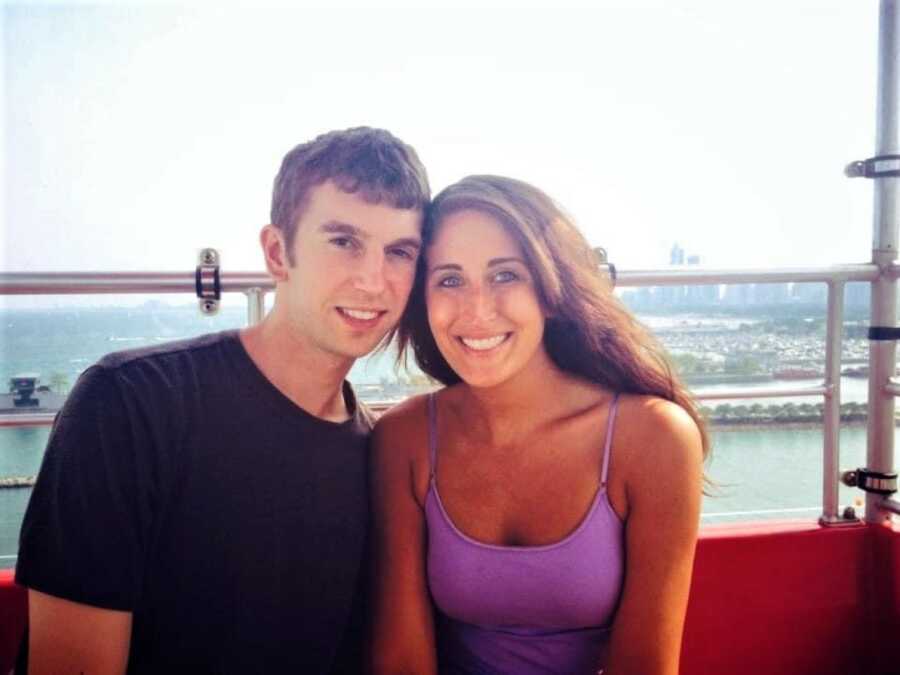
<point x="539" y="514"/>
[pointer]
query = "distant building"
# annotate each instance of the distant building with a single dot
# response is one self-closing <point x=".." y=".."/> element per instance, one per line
<point x="856" y="294"/>
<point x="809" y="294"/>
<point x="705" y="295"/>
<point x="738" y="294"/>
<point x="771" y="294"/>
<point x="673" y="296"/>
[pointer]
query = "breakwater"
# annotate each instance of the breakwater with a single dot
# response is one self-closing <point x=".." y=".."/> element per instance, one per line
<point x="16" y="481"/>
<point x="782" y="414"/>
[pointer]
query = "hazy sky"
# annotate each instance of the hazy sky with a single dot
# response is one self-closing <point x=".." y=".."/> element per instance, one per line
<point x="136" y="134"/>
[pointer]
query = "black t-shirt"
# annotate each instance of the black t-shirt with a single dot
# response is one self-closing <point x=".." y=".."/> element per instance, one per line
<point x="179" y="484"/>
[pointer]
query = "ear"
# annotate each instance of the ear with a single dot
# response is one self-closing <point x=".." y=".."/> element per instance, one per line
<point x="275" y="252"/>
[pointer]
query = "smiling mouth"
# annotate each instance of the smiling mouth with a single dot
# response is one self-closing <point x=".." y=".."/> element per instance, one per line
<point x="360" y="314"/>
<point x="484" y="344"/>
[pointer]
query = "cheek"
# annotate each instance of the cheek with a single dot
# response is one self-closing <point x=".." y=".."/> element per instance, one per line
<point x="440" y="312"/>
<point x="401" y="276"/>
<point x="520" y="304"/>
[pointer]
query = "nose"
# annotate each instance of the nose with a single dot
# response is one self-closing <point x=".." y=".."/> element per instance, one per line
<point x="369" y="275"/>
<point x="478" y="304"/>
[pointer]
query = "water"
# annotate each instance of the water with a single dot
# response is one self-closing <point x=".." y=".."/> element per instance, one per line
<point x="61" y="343"/>
<point x="761" y="473"/>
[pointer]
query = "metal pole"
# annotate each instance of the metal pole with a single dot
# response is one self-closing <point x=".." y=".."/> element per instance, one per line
<point x="62" y="283"/>
<point x="256" y="305"/>
<point x="831" y="467"/>
<point x="882" y="353"/>
<point x="891" y="505"/>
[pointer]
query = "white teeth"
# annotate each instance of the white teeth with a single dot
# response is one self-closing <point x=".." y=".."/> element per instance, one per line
<point x="485" y="343"/>
<point x="359" y="314"/>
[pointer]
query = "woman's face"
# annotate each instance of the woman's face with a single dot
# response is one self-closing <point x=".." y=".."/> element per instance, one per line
<point x="483" y="307"/>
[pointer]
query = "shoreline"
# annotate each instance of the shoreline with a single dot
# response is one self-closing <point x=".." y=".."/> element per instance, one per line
<point x="760" y="425"/>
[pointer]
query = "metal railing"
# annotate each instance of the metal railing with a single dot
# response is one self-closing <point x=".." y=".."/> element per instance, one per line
<point x="255" y="286"/>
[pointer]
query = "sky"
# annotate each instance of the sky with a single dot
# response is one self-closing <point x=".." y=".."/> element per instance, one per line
<point x="136" y="134"/>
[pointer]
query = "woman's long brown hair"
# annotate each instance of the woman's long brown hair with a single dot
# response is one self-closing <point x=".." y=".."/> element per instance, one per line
<point x="588" y="332"/>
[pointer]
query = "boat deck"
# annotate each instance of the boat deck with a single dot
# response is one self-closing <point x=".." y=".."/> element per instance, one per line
<point x="780" y="598"/>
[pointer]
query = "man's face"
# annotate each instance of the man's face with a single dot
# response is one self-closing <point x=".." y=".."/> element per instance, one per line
<point x="353" y="268"/>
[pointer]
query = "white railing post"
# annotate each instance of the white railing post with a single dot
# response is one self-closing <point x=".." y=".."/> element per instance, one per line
<point x="256" y="305"/>
<point x="831" y="469"/>
<point x="882" y="353"/>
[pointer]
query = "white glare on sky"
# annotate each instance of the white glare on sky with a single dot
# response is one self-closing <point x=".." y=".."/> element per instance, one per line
<point x="137" y="134"/>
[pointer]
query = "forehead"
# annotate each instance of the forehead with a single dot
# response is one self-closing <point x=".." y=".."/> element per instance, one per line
<point x="472" y="237"/>
<point x="327" y="203"/>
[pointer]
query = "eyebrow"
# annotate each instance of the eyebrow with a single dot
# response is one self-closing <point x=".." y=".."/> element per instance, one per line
<point x="411" y="242"/>
<point x="338" y="227"/>
<point x="493" y="262"/>
<point x="445" y="266"/>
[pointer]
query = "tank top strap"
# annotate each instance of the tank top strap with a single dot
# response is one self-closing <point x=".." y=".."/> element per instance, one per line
<point x="432" y="435"/>
<point x="607" y="445"/>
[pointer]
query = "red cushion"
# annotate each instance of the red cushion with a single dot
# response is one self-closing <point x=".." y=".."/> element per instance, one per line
<point x="13" y="615"/>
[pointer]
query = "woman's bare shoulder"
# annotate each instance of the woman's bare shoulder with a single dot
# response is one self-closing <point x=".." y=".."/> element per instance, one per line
<point x="657" y="434"/>
<point x="400" y="447"/>
<point x="408" y="413"/>
<point x="404" y="427"/>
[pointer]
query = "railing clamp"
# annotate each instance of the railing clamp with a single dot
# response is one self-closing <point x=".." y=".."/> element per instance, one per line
<point x="876" y="482"/>
<point x="206" y="281"/>
<point x="603" y="261"/>
<point x="874" y="167"/>
<point x="883" y="333"/>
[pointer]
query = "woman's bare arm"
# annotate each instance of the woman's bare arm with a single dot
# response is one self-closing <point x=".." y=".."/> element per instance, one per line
<point x="401" y="627"/>
<point x="663" y="482"/>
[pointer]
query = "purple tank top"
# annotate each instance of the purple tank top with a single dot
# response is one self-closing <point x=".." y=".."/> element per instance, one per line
<point x="524" y="609"/>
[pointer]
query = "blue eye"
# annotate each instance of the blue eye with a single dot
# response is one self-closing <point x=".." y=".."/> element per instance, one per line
<point x="402" y="253"/>
<point x="342" y="242"/>
<point x="450" y="282"/>
<point x="505" y="276"/>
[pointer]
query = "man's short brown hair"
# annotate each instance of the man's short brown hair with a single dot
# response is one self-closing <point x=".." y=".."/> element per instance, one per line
<point x="372" y="162"/>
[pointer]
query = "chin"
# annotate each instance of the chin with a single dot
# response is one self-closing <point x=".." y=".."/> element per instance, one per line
<point x="482" y="380"/>
<point x="359" y="351"/>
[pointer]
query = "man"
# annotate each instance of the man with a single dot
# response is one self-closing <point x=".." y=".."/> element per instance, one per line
<point x="202" y="505"/>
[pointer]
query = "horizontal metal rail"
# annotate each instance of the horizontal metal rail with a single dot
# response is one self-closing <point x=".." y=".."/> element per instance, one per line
<point x="46" y="419"/>
<point x="72" y="283"/>
<point x="771" y="392"/>
<point x="700" y="276"/>
<point x="27" y="419"/>
<point x="891" y="505"/>
<point x="759" y="512"/>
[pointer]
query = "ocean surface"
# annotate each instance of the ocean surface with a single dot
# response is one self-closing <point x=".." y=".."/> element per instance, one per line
<point x="760" y="473"/>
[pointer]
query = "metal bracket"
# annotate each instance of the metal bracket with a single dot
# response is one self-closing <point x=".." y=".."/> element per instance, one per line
<point x="885" y="333"/>
<point x="206" y="281"/>
<point x="876" y="482"/>
<point x="874" y="167"/>
<point x="603" y="261"/>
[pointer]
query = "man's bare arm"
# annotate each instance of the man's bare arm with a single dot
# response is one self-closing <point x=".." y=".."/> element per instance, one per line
<point x="68" y="637"/>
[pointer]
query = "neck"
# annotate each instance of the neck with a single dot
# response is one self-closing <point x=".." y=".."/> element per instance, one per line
<point x="515" y="407"/>
<point x="311" y="378"/>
